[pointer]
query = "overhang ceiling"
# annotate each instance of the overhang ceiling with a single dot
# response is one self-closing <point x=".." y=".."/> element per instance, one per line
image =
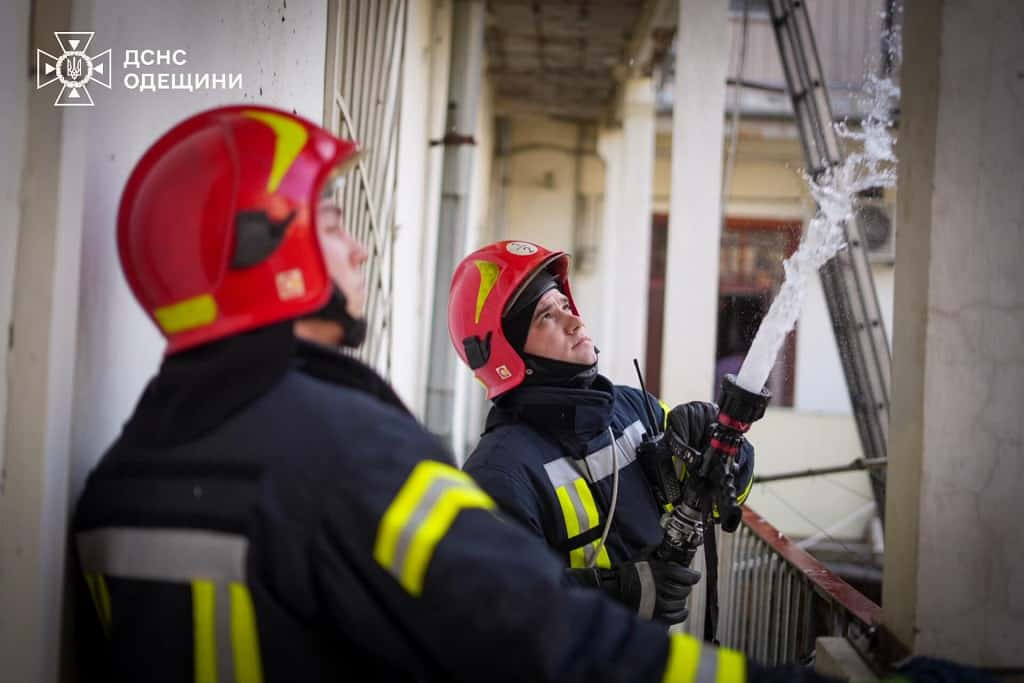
<point x="566" y="58"/>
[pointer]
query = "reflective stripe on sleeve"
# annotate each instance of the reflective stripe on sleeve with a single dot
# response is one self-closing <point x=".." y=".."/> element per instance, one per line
<point x="225" y="636"/>
<point x="732" y="667"/>
<point x="648" y="590"/>
<point x="740" y="499"/>
<point x="683" y="656"/>
<point x="691" y="661"/>
<point x="420" y="516"/>
<point x="665" y="409"/>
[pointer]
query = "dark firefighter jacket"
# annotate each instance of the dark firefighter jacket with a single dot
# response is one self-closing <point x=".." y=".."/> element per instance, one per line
<point x="271" y="517"/>
<point x="548" y="459"/>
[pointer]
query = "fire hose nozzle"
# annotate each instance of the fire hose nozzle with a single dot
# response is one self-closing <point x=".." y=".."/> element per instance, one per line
<point x="741" y="405"/>
<point x="738" y="408"/>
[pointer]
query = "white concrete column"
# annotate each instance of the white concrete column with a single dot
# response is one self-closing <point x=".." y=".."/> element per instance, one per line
<point x="955" y="584"/>
<point x="695" y="214"/>
<point x="628" y="262"/>
<point x="601" y="318"/>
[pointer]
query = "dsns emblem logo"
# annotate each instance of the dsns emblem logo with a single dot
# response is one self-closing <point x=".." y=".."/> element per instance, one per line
<point x="74" y="68"/>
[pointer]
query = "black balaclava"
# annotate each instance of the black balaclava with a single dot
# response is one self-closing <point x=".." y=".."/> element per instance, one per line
<point x="516" y="326"/>
<point x="334" y="311"/>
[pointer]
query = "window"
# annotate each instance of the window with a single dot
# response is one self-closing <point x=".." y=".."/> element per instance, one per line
<point x="750" y="275"/>
<point x="365" y="47"/>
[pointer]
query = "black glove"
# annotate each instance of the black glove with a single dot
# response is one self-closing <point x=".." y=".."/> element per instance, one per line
<point x="690" y="423"/>
<point x="656" y="589"/>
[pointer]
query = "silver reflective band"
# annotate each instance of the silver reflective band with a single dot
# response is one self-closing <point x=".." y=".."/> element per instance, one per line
<point x="564" y="471"/>
<point x="425" y="505"/>
<point x="222" y="615"/>
<point x="707" y="666"/>
<point x="163" y="554"/>
<point x="601" y="463"/>
<point x="581" y="511"/>
<point x="648" y="591"/>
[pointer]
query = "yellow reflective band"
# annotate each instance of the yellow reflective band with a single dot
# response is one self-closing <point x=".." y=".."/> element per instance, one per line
<point x="100" y="599"/>
<point x="488" y="276"/>
<point x="603" y="561"/>
<point x="588" y="502"/>
<point x="289" y="138"/>
<point x="186" y="315"/>
<point x="245" y="640"/>
<point x="204" y="652"/>
<point x="434" y="528"/>
<point x="732" y="667"/>
<point x="572" y="523"/>
<point x="404" y="504"/>
<point x="683" y="657"/>
<point x="577" y="557"/>
<point x="415" y="523"/>
<point x="746" y="492"/>
<point x="665" y="409"/>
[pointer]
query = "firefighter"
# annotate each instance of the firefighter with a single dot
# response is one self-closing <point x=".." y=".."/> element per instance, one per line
<point x="559" y="446"/>
<point x="261" y="518"/>
<point x="264" y="519"/>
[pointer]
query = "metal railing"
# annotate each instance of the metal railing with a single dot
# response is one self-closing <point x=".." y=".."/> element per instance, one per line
<point x="363" y="86"/>
<point x="775" y="599"/>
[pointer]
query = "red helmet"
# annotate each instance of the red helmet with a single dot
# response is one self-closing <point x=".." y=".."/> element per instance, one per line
<point x="216" y="228"/>
<point x="484" y="287"/>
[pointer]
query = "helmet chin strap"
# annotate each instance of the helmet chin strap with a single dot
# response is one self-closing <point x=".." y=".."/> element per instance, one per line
<point x="354" y="329"/>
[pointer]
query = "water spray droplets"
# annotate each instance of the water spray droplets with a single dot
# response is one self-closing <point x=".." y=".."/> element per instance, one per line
<point x="870" y="165"/>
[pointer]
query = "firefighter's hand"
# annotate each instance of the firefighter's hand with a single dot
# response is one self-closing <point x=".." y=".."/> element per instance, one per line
<point x="656" y="589"/>
<point x="689" y="423"/>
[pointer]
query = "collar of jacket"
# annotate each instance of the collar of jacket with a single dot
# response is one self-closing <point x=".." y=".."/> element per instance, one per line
<point x="572" y="417"/>
<point x="330" y="364"/>
<point x="197" y="390"/>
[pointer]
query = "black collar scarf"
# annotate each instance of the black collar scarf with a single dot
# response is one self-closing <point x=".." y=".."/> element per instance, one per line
<point x="571" y="417"/>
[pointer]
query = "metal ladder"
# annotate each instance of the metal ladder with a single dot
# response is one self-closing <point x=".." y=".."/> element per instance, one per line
<point x="846" y="279"/>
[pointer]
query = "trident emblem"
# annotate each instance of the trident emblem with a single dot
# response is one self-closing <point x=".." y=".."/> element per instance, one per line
<point x="73" y="68"/>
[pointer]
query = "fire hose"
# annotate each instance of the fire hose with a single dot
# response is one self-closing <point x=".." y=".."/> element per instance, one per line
<point x="690" y="504"/>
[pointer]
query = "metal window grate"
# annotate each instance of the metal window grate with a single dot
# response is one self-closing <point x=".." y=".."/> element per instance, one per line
<point x="365" y="46"/>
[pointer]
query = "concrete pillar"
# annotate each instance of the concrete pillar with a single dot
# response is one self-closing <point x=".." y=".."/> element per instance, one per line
<point x="601" y="318"/>
<point x="627" y="263"/>
<point x="954" y="585"/>
<point x="695" y="211"/>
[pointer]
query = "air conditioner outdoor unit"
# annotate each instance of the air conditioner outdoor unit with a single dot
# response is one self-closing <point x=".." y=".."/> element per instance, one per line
<point x="874" y="216"/>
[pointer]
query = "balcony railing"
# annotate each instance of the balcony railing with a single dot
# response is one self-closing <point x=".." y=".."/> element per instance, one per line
<point x="775" y="600"/>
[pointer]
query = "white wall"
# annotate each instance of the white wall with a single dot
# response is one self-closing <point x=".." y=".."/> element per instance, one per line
<point x="118" y="347"/>
<point x="14" y="33"/>
<point x="539" y="192"/>
<point x="83" y="349"/>
<point x="425" y="89"/>
<point x="788" y="440"/>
